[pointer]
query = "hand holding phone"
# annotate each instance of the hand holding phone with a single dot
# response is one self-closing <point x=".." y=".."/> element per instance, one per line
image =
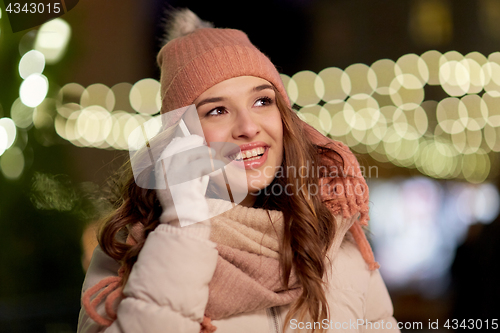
<point x="172" y="150"/>
<point x="185" y="132"/>
<point x="182" y="170"/>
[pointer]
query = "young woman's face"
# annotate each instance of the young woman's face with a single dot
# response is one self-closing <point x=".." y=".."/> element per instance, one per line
<point x="243" y="111"/>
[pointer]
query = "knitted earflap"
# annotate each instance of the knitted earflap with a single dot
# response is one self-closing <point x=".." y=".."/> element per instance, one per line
<point x="346" y="192"/>
<point x="112" y="290"/>
<point x="207" y="326"/>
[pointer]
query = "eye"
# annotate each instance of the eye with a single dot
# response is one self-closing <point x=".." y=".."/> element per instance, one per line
<point x="264" y="101"/>
<point x="216" y="112"/>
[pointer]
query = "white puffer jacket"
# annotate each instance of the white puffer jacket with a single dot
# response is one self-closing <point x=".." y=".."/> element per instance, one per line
<point x="163" y="294"/>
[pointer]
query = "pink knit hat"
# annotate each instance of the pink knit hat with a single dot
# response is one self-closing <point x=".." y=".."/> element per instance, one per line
<point x="192" y="63"/>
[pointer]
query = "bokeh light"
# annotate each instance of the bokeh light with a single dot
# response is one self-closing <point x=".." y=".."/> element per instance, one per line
<point x="378" y="110"/>
<point x="406" y="91"/>
<point x="308" y="88"/>
<point x="340" y="126"/>
<point x="27" y="42"/>
<point x="93" y="125"/>
<point x="384" y="70"/>
<point x="33" y="90"/>
<point x="143" y="133"/>
<point x="492" y="73"/>
<point x="52" y="39"/>
<point x="122" y="93"/>
<point x="475" y="167"/>
<point x="362" y="78"/>
<point x="492" y="137"/>
<point x="8" y="133"/>
<point x="432" y="60"/>
<point x="145" y="96"/>
<point x="116" y="137"/>
<point x="476" y="61"/>
<point x="415" y="66"/>
<point x="21" y="114"/>
<point x="361" y="112"/>
<point x="3" y="140"/>
<point x="336" y="84"/>
<point x="98" y="94"/>
<point x="12" y="163"/>
<point x="454" y="74"/>
<point x="32" y="62"/>
<point x="318" y="117"/>
<point x="492" y="101"/>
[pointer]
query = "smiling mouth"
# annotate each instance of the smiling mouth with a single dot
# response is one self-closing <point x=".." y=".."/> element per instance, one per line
<point x="249" y="155"/>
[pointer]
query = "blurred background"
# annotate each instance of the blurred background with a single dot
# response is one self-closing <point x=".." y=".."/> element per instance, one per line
<point x="413" y="87"/>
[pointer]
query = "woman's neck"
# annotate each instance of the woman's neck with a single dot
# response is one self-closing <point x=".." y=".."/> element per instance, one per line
<point x="249" y="200"/>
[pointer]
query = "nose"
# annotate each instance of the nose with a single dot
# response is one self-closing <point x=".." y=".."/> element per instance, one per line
<point x="246" y="125"/>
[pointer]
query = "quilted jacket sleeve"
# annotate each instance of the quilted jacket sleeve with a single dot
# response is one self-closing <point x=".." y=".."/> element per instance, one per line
<point x="163" y="293"/>
<point x="379" y="310"/>
<point x="358" y="298"/>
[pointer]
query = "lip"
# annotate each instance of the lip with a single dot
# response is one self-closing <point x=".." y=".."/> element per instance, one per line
<point x="254" y="163"/>
<point x="247" y="146"/>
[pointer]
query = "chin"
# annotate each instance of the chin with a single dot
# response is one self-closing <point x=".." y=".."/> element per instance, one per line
<point x="256" y="186"/>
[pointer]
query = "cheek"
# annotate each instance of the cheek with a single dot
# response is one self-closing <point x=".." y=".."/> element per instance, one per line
<point x="214" y="135"/>
<point x="276" y="130"/>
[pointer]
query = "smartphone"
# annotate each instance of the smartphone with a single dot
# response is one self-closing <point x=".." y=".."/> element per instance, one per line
<point x="183" y="128"/>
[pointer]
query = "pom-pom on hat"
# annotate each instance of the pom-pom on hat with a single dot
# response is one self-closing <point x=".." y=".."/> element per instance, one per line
<point x="197" y="57"/>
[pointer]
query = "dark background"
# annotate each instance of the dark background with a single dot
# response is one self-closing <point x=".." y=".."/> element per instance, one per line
<point x="114" y="41"/>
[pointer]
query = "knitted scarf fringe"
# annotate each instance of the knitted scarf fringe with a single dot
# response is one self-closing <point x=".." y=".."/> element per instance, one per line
<point x="206" y="325"/>
<point x="112" y="289"/>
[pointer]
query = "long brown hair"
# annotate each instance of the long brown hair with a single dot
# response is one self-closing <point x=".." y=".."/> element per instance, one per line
<point x="308" y="233"/>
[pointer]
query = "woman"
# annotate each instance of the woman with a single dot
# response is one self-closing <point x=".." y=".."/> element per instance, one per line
<point x="276" y="262"/>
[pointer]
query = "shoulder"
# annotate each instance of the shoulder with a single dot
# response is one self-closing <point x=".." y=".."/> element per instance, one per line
<point x="101" y="266"/>
<point x="353" y="291"/>
<point x="347" y="268"/>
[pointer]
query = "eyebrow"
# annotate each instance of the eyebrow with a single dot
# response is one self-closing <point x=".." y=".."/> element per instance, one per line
<point x="218" y="99"/>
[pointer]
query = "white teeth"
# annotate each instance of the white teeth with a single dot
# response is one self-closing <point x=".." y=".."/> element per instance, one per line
<point x="248" y="155"/>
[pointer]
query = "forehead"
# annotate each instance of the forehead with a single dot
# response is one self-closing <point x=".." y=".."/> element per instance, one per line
<point x="236" y="85"/>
